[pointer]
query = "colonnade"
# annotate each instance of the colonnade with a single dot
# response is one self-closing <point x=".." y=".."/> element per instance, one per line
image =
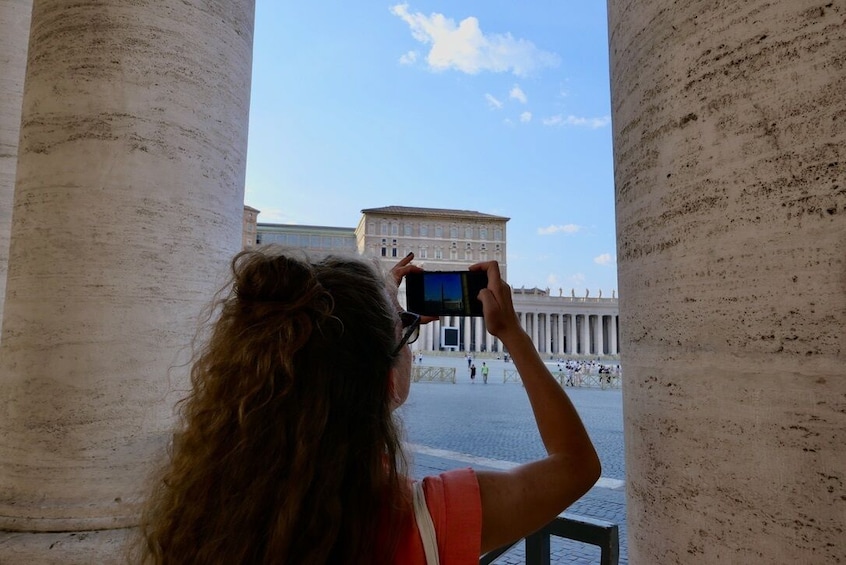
<point x="553" y="331"/>
<point x="573" y="333"/>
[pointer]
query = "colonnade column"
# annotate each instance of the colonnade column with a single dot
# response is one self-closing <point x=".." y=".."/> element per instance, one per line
<point x="560" y="329"/>
<point x="585" y="334"/>
<point x="612" y="333"/>
<point x="479" y="333"/>
<point x="600" y="339"/>
<point x="572" y="341"/>
<point x="467" y="320"/>
<point x="128" y="206"/>
<point x="535" y="330"/>
<point x="547" y="339"/>
<point x="729" y="164"/>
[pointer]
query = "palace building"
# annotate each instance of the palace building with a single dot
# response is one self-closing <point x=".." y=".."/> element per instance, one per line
<point x="451" y="240"/>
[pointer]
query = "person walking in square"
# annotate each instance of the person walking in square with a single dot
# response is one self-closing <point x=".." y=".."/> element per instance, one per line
<point x="472" y="372"/>
<point x="485" y="370"/>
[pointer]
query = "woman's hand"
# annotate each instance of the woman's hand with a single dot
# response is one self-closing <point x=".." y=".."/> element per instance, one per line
<point x="500" y="316"/>
<point x="403" y="267"/>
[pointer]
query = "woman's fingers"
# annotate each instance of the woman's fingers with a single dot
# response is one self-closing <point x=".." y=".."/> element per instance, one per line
<point x="402" y="268"/>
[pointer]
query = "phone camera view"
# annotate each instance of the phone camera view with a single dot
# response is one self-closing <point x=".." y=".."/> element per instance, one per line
<point x="445" y="293"/>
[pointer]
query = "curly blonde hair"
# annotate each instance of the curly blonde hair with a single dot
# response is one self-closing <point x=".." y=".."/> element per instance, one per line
<point x="287" y="451"/>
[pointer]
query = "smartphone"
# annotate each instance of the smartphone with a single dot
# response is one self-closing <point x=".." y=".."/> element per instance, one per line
<point x="445" y="293"/>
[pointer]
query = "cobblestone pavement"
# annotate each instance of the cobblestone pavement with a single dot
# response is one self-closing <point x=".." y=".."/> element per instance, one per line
<point x="490" y="426"/>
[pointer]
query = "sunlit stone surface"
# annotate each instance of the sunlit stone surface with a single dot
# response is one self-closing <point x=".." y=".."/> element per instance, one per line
<point x="729" y="136"/>
<point x="128" y="205"/>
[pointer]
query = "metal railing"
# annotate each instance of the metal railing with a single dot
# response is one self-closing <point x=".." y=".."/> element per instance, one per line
<point x="593" y="380"/>
<point x="603" y="534"/>
<point x="433" y="374"/>
<point x="586" y="380"/>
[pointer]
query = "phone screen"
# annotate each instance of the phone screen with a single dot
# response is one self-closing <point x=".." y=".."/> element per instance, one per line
<point x="445" y="293"/>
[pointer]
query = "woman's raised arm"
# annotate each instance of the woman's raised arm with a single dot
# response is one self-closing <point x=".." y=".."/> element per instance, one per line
<point x="518" y="502"/>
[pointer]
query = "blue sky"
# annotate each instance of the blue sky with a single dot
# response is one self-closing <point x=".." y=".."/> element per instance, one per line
<point x="499" y="107"/>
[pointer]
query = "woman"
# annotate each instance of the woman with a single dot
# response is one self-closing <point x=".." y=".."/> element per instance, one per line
<point x="288" y="451"/>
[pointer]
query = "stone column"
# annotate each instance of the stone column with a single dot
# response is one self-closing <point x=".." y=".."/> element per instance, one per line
<point x="600" y="338"/>
<point x="488" y="341"/>
<point x="560" y="328"/>
<point x="14" y="34"/>
<point x="585" y="334"/>
<point x="547" y="338"/>
<point x="467" y="320"/>
<point x="480" y="332"/>
<point x="535" y="330"/>
<point x="612" y="334"/>
<point x="572" y="340"/>
<point x="128" y="205"/>
<point x="730" y="176"/>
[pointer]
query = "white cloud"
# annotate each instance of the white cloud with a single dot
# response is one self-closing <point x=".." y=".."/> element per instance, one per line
<point x="518" y="94"/>
<point x="603" y="259"/>
<point x="409" y="58"/>
<point x="493" y="102"/>
<point x="526" y="117"/>
<point x="592" y="123"/>
<point x="464" y="47"/>
<point x="568" y="228"/>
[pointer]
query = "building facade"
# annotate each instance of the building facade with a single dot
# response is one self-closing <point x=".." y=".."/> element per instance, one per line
<point x="452" y="240"/>
<point x="314" y="239"/>
<point x="441" y="239"/>
<point x="250" y="232"/>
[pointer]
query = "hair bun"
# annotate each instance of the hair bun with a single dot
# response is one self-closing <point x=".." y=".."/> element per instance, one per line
<point x="260" y="277"/>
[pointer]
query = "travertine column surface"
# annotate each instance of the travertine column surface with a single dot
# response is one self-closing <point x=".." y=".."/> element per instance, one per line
<point x="128" y="205"/>
<point x="729" y="139"/>
<point x="14" y="31"/>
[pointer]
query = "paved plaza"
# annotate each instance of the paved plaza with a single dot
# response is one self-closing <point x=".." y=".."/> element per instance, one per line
<point x="491" y="426"/>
